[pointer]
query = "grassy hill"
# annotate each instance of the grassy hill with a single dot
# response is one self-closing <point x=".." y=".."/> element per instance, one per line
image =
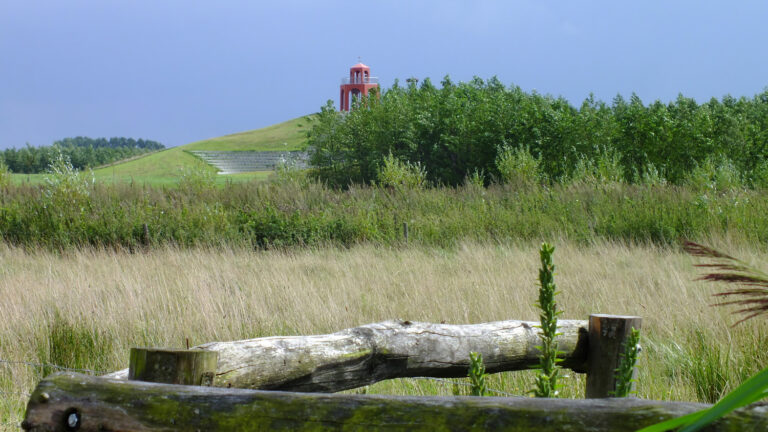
<point x="165" y="167"/>
<point x="289" y="135"/>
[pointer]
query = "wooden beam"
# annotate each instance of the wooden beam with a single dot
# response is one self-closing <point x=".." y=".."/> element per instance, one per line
<point x="69" y="401"/>
<point x="607" y="336"/>
<point x="393" y="349"/>
<point x="173" y="366"/>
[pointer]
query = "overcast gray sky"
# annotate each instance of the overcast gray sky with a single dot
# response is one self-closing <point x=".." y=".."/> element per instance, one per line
<point x="178" y="71"/>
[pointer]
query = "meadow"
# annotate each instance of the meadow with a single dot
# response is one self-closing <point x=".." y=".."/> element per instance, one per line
<point x="287" y="212"/>
<point x="224" y="258"/>
<point x="84" y="308"/>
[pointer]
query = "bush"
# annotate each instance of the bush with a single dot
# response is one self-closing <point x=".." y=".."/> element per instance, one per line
<point x="196" y="180"/>
<point x="716" y="174"/>
<point x="759" y="177"/>
<point x="518" y="167"/>
<point x="288" y="171"/>
<point x="605" y="168"/>
<point x="475" y="180"/>
<point x="652" y="176"/>
<point x="66" y="189"/>
<point x="401" y="175"/>
<point x="5" y="174"/>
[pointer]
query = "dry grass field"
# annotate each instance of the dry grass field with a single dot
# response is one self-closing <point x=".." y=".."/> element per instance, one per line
<point x="86" y="308"/>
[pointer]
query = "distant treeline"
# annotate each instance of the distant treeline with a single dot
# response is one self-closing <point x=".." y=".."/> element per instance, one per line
<point x="83" y="152"/>
<point x="456" y="130"/>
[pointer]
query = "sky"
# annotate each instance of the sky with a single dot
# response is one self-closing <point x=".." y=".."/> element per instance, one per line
<point x="178" y="71"/>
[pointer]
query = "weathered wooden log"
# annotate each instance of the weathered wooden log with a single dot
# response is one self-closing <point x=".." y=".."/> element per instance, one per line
<point x="393" y="349"/>
<point x="173" y="366"/>
<point x="607" y="336"/>
<point x="69" y="401"/>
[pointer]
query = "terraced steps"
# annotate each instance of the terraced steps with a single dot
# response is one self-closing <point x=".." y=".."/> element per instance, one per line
<point x="233" y="162"/>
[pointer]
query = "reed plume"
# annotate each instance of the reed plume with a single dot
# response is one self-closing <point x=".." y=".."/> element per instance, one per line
<point x="751" y="291"/>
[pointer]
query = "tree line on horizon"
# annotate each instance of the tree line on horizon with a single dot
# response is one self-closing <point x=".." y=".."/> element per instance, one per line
<point x="461" y="129"/>
<point x="83" y="153"/>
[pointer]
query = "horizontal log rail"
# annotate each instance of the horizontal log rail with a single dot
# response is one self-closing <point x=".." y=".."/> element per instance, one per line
<point x="392" y="349"/>
<point x="70" y="401"/>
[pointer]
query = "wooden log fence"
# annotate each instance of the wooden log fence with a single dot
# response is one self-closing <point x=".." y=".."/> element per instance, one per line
<point x="393" y="349"/>
<point x="351" y="358"/>
<point x="69" y="402"/>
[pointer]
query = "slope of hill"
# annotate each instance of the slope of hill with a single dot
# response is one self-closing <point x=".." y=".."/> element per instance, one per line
<point x="165" y="167"/>
<point x="286" y="136"/>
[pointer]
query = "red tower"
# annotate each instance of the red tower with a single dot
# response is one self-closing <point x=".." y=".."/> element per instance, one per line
<point x="359" y="81"/>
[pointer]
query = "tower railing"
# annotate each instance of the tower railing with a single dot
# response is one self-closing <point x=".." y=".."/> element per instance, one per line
<point x="368" y="80"/>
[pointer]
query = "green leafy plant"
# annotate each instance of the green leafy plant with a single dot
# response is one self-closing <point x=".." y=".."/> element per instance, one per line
<point x="652" y="175"/>
<point x="626" y="369"/>
<point x="546" y="379"/>
<point x="759" y="176"/>
<point x="715" y="174"/>
<point x="288" y="170"/>
<point x="606" y="167"/>
<point x="751" y="295"/>
<point x="476" y="179"/>
<point x="196" y="180"/>
<point x="477" y="374"/>
<point x="66" y="189"/>
<point x="517" y="166"/>
<point x="397" y="174"/>
<point x="5" y="174"/>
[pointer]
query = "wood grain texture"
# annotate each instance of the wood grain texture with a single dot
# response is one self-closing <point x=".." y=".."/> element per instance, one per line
<point x="102" y="404"/>
<point x="607" y="336"/>
<point x="392" y="349"/>
<point x="173" y="366"/>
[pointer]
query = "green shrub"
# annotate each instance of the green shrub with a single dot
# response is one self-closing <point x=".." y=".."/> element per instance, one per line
<point x="605" y="168"/>
<point x="716" y="174"/>
<point x="759" y="177"/>
<point x="475" y="180"/>
<point x="66" y="189"/>
<point x="5" y="174"/>
<point x="401" y="175"/>
<point x="287" y="171"/>
<point x="518" y="167"/>
<point x="197" y="180"/>
<point x="652" y="176"/>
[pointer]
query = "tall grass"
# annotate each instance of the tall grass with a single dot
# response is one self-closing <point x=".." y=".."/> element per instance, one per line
<point x="109" y="300"/>
<point x="299" y="213"/>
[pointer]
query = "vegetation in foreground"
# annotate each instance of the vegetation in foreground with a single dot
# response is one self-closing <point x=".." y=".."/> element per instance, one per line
<point x="70" y="210"/>
<point x="86" y="308"/>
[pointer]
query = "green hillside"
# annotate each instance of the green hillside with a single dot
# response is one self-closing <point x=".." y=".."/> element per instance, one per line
<point x="288" y="135"/>
<point x="165" y="167"/>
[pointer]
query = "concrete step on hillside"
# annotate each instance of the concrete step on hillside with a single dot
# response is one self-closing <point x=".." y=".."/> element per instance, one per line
<point x="232" y="162"/>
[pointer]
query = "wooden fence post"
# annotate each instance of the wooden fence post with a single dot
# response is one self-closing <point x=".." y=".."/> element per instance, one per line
<point x="607" y="336"/>
<point x="173" y="366"/>
<point x="146" y="235"/>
